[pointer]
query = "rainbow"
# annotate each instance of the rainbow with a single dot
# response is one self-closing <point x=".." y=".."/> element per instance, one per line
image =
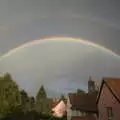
<point x="34" y="42"/>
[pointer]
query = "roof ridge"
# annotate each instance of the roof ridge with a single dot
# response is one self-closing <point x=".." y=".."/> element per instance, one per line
<point x="113" y="89"/>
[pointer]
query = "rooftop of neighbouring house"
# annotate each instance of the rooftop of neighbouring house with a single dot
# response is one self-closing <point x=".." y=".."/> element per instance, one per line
<point x="85" y="102"/>
<point x="57" y="101"/>
<point x="83" y="118"/>
<point x="113" y="84"/>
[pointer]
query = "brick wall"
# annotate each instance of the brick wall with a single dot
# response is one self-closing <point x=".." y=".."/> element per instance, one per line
<point x="108" y="100"/>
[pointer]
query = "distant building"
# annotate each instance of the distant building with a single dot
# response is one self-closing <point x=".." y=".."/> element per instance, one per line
<point x="83" y="106"/>
<point x="108" y="99"/>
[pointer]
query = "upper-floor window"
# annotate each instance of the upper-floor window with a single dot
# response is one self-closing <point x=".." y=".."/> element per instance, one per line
<point x="110" y="113"/>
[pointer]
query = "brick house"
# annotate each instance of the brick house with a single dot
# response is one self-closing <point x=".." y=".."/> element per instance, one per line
<point x="108" y="100"/>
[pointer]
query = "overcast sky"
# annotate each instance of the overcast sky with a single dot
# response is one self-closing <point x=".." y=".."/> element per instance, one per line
<point x="25" y="20"/>
<point x="22" y="21"/>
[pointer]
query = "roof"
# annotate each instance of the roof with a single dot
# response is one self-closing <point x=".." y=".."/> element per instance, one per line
<point x="113" y="85"/>
<point x="60" y="109"/>
<point x="56" y="102"/>
<point x="83" y="118"/>
<point x="85" y="102"/>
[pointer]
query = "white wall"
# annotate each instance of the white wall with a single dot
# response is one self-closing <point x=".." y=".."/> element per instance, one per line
<point x="76" y="113"/>
<point x="69" y="111"/>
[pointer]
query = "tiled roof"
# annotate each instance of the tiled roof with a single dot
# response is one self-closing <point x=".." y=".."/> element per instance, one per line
<point x="83" y="118"/>
<point x="85" y="102"/>
<point x="114" y="84"/>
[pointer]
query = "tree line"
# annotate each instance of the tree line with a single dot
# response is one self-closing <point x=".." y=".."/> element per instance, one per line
<point x="13" y="100"/>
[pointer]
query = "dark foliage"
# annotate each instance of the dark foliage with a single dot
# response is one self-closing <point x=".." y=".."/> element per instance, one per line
<point x="33" y="115"/>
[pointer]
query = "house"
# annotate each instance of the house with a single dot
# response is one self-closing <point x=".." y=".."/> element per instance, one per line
<point x="59" y="108"/>
<point x="55" y="101"/>
<point x="83" y="105"/>
<point x="108" y="100"/>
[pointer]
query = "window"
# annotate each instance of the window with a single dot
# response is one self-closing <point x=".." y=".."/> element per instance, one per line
<point x="83" y="113"/>
<point x="110" y="113"/>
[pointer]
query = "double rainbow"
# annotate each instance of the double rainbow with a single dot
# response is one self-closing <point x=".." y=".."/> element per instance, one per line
<point x="35" y="42"/>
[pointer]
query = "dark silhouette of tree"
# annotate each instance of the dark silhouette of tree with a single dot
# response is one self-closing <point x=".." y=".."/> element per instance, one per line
<point x="7" y="76"/>
<point x="9" y="94"/>
<point x="41" y="93"/>
<point x="62" y="97"/>
<point x="32" y="99"/>
<point x="24" y="96"/>
<point x="32" y="103"/>
<point x="80" y="91"/>
<point x="25" y="101"/>
<point x="42" y="102"/>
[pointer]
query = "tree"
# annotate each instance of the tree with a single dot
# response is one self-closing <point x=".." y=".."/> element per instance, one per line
<point x="7" y="76"/>
<point x="24" y="96"/>
<point x="32" y="103"/>
<point x="62" y="97"/>
<point x="42" y="102"/>
<point x="80" y="91"/>
<point x="25" y="103"/>
<point x="9" y="94"/>
<point x="32" y="99"/>
<point x="41" y="93"/>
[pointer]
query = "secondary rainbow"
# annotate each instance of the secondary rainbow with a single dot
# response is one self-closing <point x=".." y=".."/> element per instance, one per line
<point x="34" y="42"/>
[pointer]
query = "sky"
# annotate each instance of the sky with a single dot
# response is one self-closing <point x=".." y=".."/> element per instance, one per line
<point x="25" y="20"/>
<point x="22" y="21"/>
<point x="62" y="66"/>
